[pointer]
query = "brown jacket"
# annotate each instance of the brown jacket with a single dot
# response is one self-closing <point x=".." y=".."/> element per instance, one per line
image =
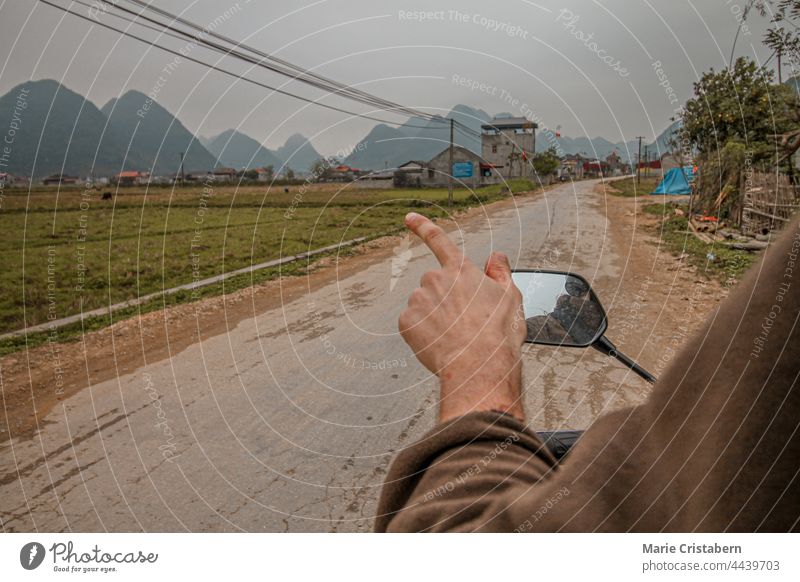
<point x="716" y="447"/>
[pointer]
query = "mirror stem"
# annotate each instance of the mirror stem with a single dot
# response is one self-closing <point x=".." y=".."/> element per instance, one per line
<point x="605" y="346"/>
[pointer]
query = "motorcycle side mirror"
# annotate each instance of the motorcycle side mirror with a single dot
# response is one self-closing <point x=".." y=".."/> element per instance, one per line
<point x="562" y="309"/>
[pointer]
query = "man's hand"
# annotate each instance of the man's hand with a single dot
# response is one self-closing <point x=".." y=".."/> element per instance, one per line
<point x="466" y="326"/>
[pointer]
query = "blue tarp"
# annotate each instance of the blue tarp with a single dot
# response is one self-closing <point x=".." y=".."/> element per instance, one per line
<point x="675" y="181"/>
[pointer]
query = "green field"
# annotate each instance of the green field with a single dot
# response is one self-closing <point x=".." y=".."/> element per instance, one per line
<point x="629" y="187"/>
<point x="70" y="251"/>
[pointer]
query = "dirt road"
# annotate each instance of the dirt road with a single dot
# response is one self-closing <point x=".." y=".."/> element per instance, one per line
<point x="279" y="409"/>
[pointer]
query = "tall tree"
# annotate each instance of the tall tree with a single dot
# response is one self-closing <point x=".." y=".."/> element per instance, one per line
<point x="741" y="105"/>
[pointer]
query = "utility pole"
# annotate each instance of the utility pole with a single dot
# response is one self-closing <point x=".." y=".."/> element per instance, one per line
<point x="181" y="168"/>
<point x="639" y="160"/>
<point x="450" y="173"/>
<point x="646" y="161"/>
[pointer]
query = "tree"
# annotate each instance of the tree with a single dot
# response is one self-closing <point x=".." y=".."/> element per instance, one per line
<point x="546" y="162"/>
<point x="784" y="37"/>
<point x="738" y="117"/>
<point x="321" y="170"/>
<point x="289" y="174"/>
<point x="740" y="105"/>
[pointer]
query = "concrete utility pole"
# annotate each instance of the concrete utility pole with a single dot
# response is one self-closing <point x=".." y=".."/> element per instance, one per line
<point x="450" y="173"/>
<point x="639" y="160"/>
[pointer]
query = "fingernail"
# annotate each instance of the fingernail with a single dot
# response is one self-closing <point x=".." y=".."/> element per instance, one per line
<point x="412" y="216"/>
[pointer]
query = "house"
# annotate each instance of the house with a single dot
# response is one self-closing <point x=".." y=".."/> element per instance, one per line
<point x="572" y="167"/>
<point x="594" y="168"/>
<point x="7" y="179"/>
<point x="131" y="178"/>
<point x="616" y="167"/>
<point x="435" y="173"/>
<point x="650" y="164"/>
<point x="380" y="179"/>
<point x="224" y="174"/>
<point x="265" y="174"/>
<point x="507" y="147"/>
<point x="410" y="174"/>
<point x="343" y="173"/>
<point x="59" y="179"/>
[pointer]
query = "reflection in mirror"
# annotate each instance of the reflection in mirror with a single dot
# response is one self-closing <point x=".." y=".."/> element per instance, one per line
<point x="560" y="309"/>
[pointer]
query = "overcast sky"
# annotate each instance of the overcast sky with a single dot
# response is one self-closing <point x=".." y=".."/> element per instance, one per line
<point x="532" y="57"/>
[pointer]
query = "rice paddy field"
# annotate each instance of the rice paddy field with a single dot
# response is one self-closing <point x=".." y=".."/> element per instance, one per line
<point x="68" y="251"/>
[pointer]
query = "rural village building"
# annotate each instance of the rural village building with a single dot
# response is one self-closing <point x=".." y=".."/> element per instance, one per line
<point x="224" y="174"/>
<point x="507" y="147"/>
<point x="59" y="179"/>
<point x="131" y="178"/>
<point x="434" y="173"/>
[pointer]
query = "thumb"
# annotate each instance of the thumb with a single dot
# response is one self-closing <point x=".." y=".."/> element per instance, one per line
<point x="498" y="268"/>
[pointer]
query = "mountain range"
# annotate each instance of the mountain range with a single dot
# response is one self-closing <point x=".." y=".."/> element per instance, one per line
<point x="420" y="139"/>
<point x="63" y="132"/>
<point x="60" y="131"/>
<point x="417" y="139"/>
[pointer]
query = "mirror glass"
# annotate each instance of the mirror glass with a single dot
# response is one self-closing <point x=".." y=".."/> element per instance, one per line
<point x="560" y="309"/>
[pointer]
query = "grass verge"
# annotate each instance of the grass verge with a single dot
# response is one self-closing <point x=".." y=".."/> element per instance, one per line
<point x="628" y="187"/>
<point x="715" y="260"/>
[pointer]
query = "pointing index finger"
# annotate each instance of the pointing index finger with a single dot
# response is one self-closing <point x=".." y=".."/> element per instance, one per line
<point x="445" y="250"/>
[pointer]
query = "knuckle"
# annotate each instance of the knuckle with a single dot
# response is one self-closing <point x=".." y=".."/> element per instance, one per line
<point x="430" y="278"/>
<point x="416" y="297"/>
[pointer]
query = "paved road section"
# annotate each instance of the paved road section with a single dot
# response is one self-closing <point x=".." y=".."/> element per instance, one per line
<point x="289" y="421"/>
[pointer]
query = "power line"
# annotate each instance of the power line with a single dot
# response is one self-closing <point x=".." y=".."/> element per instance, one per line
<point x="219" y="69"/>
<point x="301" y="74"/>
<point x="339" y="88"/>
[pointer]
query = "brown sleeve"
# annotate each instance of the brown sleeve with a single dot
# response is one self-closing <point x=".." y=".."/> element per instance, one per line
<point x="716" y="447"/>
<point x="447" y="479"/>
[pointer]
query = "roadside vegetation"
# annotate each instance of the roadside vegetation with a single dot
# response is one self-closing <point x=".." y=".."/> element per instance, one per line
<point x="715" y="260"/>
<point x="66" y="253"/>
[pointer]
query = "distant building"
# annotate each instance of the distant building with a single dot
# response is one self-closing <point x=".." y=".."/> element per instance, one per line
<point x="614" y="164"/>
<point x="380" y="179"/>
<point x="7" y="179"/>
<point x="434" y="173"/>
<point x="572" y="167"/>
<point x="343" y="173"/>
<point x="650" y="164"/>
<point x="410" y="174"/>
<point x="131" y="178"/>
<point x="59" y="179"/>
<point x="264" y="174"/>
<point x="224" y="174"/>
<point x="508" y="146"/>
